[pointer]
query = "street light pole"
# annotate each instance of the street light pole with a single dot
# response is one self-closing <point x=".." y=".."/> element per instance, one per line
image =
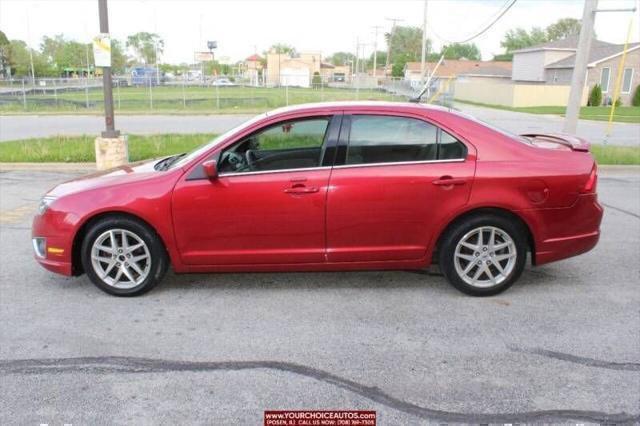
<point x="110" y="131"/>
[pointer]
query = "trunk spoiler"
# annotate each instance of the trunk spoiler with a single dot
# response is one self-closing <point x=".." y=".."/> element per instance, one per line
<point x="573" y="142"/>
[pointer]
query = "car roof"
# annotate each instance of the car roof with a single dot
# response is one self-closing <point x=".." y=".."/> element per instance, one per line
<point x="356" y="105"/>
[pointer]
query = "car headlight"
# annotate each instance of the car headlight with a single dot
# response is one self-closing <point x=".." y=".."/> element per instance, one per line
<point x="45" y="202"/>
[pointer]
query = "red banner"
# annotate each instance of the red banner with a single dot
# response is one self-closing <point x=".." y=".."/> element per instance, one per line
<point x="319" y="418"/>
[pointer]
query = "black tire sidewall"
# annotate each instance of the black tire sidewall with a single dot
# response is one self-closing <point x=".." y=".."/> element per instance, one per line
<point x="156" y="249"/>
<point x="458" y="230"/>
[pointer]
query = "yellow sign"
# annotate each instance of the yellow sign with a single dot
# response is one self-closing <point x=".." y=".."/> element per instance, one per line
<point x="102" y="50"/>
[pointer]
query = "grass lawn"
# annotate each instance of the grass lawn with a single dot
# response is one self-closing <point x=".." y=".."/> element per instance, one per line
<point x="623" y="114"/>
<point x="71" y="149"/>
<point x="179" y="100"/>
<point x="81" y="149"/>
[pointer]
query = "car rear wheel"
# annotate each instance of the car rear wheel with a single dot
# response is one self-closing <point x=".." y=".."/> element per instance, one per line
<point x="123" y="257"/>
<point x="483" y="255"/>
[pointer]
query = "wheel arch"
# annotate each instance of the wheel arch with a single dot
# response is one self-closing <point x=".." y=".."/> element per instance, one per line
<point x="78" y="238"/>
<point x="498" y="211"/>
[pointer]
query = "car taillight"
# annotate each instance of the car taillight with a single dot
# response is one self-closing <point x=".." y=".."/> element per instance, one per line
<point x="590" y="186"/>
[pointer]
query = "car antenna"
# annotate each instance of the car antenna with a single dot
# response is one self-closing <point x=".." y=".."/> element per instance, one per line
<point x="427" y="83"/>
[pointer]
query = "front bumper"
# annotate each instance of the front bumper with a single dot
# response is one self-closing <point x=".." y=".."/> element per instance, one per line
<point x="57" y="255"/>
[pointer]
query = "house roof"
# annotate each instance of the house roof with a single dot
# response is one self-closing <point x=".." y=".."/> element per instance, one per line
<point x="254" y="58"/>
<point x="568" y="43"/>
<point x="326" y="65"/>
<point x="597" y="54"/>
<point x="453" y="67"/>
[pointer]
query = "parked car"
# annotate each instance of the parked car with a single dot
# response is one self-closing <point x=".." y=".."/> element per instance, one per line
<point x="222" y="81"/>
<point x="144" y="76"/>
<point x="334" y="186"/>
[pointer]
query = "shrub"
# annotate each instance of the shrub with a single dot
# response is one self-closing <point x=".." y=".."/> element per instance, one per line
<point x="635" y="101"/>
<point x="316" y="80"/>
<point x="618" y="102"/>
<point x="595" y="96"/>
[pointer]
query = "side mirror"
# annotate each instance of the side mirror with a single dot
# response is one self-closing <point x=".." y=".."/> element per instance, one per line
<point x="210" y="168"/>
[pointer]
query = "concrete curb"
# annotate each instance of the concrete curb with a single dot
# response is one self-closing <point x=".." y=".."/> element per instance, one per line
<point x="48" y="167"/>
<point x="91" y="167"/>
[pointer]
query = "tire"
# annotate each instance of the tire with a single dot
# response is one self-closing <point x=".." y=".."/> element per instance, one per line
<point x="501" y="262"/>
<point x="128" y="251"/>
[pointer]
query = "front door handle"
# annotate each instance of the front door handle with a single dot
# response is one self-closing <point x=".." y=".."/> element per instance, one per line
<point x="301" y="190"/>
<point x="449" y="181"/>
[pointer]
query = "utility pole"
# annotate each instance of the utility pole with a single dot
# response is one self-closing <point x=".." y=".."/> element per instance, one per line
<point x="33" y="73"/>
<point x="580" y="67"/>
<point x="110" y="131"/>
<point x="155" y="45"/>
<point x="394" y="21"/>
<point x="375" y="50"/>
<point x="357" y="55"/>
<point x="582" y="58"/>
<point x="423" y="65"/>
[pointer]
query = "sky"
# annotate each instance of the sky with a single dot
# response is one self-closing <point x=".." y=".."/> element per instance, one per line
<point x="243" y="27"/>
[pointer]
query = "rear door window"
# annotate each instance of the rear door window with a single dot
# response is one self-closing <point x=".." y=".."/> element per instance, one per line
<point x="393" y="139"/>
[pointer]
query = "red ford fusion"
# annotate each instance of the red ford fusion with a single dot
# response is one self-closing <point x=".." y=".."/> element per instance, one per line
<point x="334" y="186"/>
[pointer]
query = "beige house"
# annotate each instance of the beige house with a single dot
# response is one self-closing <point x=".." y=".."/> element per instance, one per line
<point x="252" y="70"/>
<point x="292" y="70"/>
<point x="335" y="73"/>
<point x="541" y="75"/>
<point x="602" y="69"/>
<point x="451" y="68"/>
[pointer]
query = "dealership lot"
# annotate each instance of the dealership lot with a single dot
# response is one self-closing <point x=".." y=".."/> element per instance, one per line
<point x="562" y="345"/>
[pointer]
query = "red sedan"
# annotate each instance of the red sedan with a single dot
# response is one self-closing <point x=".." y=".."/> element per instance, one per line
<point x="339" y="186"/>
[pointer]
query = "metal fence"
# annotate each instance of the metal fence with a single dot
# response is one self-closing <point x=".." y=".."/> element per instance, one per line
<point x="197" y="96"/>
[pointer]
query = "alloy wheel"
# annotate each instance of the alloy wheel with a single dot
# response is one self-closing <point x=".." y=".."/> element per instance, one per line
<point x="120" y="258"/>
<point x="485" y="256"/>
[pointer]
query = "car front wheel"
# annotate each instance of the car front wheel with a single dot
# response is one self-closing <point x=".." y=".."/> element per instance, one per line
<point x="123" y="257"/>
<point x="484" y="255"/>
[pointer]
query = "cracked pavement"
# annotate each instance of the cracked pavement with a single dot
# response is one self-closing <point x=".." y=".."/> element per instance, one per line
<point x="562" y="345"/>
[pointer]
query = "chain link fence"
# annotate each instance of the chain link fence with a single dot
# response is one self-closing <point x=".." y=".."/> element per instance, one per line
<point x="217" y="95"/>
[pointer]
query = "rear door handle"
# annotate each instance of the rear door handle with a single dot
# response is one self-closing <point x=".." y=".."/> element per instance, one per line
<point x="448" y="181"/>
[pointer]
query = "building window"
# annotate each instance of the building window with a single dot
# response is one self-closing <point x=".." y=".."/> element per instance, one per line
<point x="627" y="79"/>
<point x="604" y="79"/>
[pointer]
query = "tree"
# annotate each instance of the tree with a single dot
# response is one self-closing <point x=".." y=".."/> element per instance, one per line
<point x="636" y="97"/>
<point x="283" y="48"/>
<point x="521" y="38"/>
<point x="459" y="51"/>
<point x="61" y="53"/>
<point x="5" y="68"/>
<point x="406" y="44"/>
<point x="563" y="28"/>
<point x="118" y="57"/>
<point x="146" y="45"/>
<point x="20" y="61"/>
<point x="595" y="96"/>
<point x="381" y="59"/>
<point x="503" y="57"/>
<point x="341" y="58"/>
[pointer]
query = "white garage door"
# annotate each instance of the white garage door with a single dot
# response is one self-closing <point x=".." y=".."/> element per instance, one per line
<point x="295" y="77"/>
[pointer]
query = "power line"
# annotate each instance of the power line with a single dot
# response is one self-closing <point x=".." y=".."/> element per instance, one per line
<point x="504" y="9"/>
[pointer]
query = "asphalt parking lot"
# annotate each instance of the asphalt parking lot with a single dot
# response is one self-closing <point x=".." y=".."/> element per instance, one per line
<point x="562" y="345"/>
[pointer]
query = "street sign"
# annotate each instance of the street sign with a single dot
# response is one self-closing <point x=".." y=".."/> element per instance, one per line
<point x="102" y="50"/>
<point x="203" y="56"/>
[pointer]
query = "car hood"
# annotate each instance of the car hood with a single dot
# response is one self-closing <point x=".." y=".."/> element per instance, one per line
<point x="129" y="173"/>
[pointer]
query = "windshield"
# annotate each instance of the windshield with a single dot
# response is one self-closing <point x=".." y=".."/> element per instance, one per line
<point x="207" y="146"/>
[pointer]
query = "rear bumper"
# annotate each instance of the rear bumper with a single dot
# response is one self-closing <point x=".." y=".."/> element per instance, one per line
<point x="561" y="248"/>
<point x="566" y="232"/>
